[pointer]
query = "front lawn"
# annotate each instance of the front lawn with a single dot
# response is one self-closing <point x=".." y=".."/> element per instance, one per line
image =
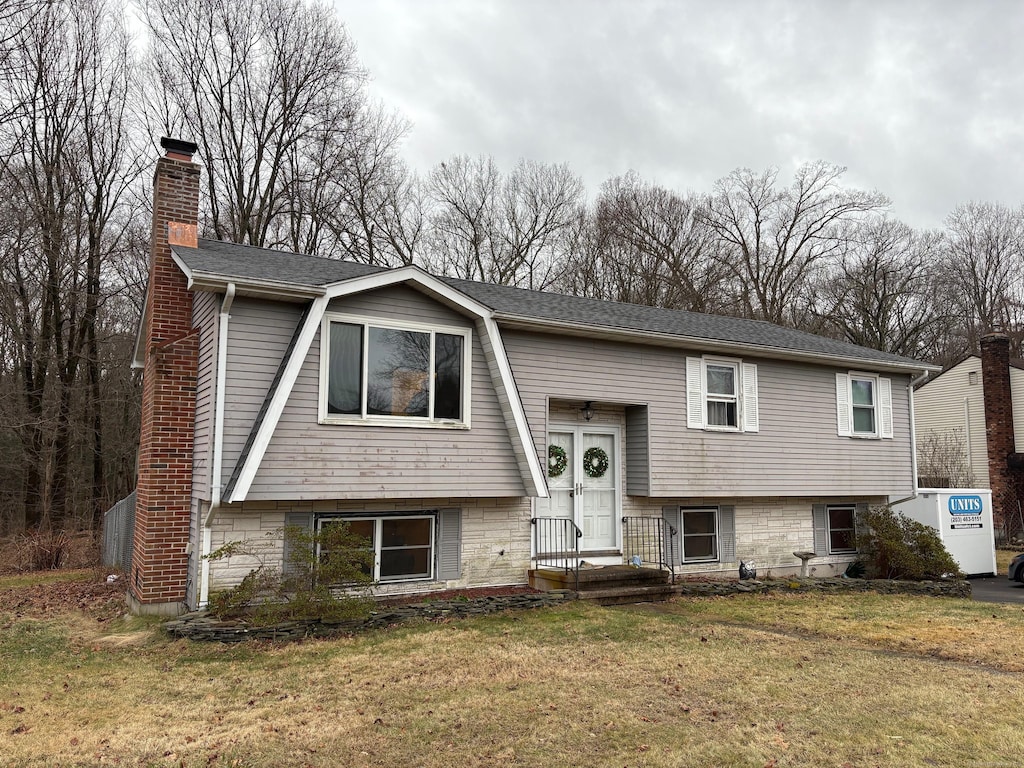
<point x="793" y="680"/>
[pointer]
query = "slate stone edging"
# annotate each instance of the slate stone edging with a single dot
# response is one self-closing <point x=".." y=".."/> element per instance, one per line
<point x="201" y="626"/>
<point x="950" y="588"/>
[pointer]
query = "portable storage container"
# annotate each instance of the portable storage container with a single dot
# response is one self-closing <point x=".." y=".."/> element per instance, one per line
<point x="963" y="518"/>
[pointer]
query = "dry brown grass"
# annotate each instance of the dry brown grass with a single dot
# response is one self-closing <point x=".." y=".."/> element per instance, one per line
<point x="1003" y="558"/>
<point x="785" y="681"/>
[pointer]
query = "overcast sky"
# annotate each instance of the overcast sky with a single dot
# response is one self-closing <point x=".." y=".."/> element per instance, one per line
<point x="920" y="100"/>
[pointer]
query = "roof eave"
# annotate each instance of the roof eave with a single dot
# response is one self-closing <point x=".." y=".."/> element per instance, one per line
<point x="247" y="286"/>
<point x="522" y="322"/>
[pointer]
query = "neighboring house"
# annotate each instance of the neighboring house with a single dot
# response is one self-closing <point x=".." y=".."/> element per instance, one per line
<point x="978" y="406"/>
<point x="444" y="418"/>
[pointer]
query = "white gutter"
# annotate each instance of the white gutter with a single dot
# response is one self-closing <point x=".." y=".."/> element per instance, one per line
<point x="218" y="442"/>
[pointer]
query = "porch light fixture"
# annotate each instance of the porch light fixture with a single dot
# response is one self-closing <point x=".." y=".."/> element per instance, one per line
<point x="587" y="410"/>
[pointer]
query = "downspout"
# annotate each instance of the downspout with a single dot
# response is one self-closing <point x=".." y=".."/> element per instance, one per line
<point x="913" y="436"/>
<point x="218" y="443"/>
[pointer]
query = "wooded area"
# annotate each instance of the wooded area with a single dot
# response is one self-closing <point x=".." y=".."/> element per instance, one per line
<point x="296" y="155"/>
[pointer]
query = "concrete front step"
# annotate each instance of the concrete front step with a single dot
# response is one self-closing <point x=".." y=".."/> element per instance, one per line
<point x="628" y="595"/>
<point x="605" y="578"/>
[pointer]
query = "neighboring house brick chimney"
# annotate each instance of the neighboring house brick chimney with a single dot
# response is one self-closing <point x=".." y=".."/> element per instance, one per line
<point x="995" y="377"/>
<point x="159" y="569"/>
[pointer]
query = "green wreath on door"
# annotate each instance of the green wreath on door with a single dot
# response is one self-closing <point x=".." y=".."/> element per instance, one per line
<point x="557" y="460"/>
<point x="595" y="462"/>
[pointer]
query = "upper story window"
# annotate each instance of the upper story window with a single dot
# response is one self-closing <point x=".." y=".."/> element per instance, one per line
<point x="408" y="374"/>
<point x="863" y="405"/>
<point x="721" y="394"/>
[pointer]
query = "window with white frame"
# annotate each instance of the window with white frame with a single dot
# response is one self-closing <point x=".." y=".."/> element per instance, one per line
<point x="842" y="531"/>
<point x="410" y="374"/>
<point x="402" y="546"/>
<point x="699" y="534"/>
<point x="721" y="394"/>
<point x="864" y="405"/>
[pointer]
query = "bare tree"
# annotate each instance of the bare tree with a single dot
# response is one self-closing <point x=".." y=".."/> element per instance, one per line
<point x="773" y="239"/>
<point x="942" y="460"/>
<point x="66" y="164"/>
<point x="983" y="272"/>
<point x="880" y="293"/>
<point x="654" y="248"/>
<point x="511" y="230"/>
<point x="273" y="94"/>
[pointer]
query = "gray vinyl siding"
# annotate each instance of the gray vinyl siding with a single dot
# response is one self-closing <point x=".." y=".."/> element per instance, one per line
<point x="258" y="334"/>
<point x="951" y="403"/>
<point x="205" y="309"/>
<point x="797" y="451"/>
<point x="307" y="460"/>
<point x="638" y="450"/>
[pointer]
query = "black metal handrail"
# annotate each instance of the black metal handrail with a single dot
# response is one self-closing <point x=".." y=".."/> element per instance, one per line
<point x="649" y="541"/>
<point x="556" y="544"/>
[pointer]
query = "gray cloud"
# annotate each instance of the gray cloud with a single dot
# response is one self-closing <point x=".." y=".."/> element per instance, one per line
<point x="920" y="100"/>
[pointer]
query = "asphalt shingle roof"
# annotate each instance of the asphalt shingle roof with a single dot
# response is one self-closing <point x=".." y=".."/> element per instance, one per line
<point x="239" y="263"/>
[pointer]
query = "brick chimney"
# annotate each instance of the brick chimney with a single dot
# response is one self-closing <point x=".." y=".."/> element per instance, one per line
<point x="159" y="570"/>
<point x="995" y="378"/>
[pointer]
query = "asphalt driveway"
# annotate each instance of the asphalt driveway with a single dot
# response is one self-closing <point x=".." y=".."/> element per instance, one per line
<point x="997" y="589"/>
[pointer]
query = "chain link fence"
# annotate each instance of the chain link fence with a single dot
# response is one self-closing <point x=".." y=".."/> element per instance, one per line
<point x="118" y="530"/>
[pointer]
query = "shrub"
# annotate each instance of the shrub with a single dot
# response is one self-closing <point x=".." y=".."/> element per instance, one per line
<point x="46" y="550"/>
<point x="896" y="547"/>
<point x="325" y="576"/>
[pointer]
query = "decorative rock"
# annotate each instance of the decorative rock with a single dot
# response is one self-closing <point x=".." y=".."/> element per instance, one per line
<point x="202" y="626"/>
<point x="951" y="588"/>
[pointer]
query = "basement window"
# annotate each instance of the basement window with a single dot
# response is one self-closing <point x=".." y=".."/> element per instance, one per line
<point x="842" y="531"/>
<point x="699" y="535"/>
<point x="403" y="547"/>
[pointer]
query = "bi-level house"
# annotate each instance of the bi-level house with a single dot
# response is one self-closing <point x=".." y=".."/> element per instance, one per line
<point x="452" y="421"/>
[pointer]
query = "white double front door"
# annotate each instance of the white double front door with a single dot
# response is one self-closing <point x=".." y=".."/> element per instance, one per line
<point x="583" y="480"/>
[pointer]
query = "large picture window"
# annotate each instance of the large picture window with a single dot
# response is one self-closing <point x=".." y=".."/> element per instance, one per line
<point x="402" y="547"/>
<point x="409" y="374"/>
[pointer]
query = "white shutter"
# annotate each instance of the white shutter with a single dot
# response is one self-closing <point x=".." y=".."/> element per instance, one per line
<point x="750" y="418"/>
<point x="844" y="417"/>
<point x="885" y="407"/>
<point x="694" y="393"/>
